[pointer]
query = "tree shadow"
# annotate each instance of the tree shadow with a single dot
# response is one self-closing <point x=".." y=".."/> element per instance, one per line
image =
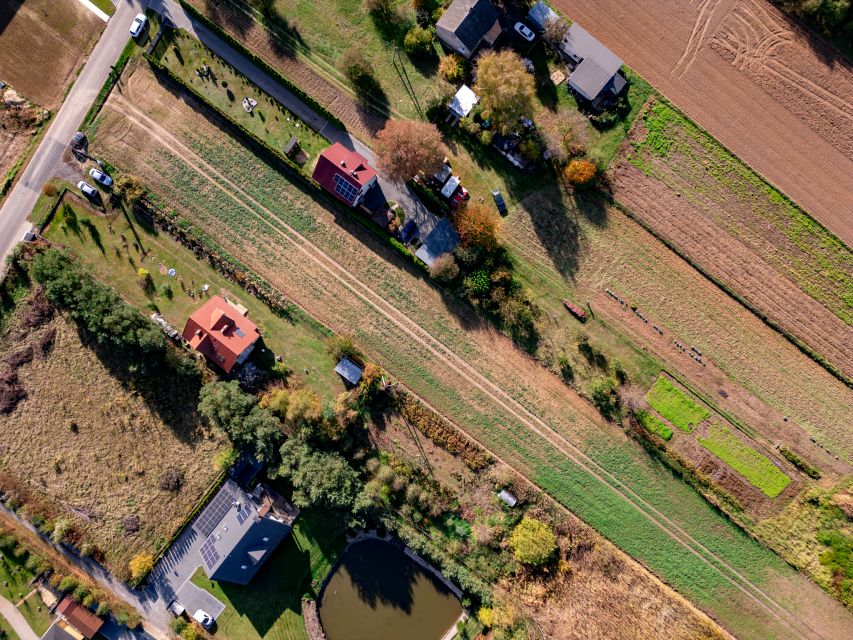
<point x="392" y="26"/>
<point x="94" y="234"/>
<point x="374" y="108"/>
<point x="8" y="9"/>
<point x="230" y="15"/>
<point x="546" y="91"/>
<point x="284" y="38"/>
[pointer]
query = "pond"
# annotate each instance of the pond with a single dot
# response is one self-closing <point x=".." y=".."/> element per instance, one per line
<point x="380" y="593"/>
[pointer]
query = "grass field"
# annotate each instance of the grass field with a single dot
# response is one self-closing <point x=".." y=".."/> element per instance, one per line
<point x="78" y="446"/>
<point x="745" y="460"/>
<point x="269" y="121"/>
<point x="271" y="607"/>
<point x="97" y="239"/>
<point x="197" y="166"/>
<point x="653" y="424"/>
<point x="669" y="401"/>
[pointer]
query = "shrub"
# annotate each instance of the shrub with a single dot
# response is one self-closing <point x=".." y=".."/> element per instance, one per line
<point x="444" y="268"/>
<point x="605" y="397"/>
<point x="381" y="9"/>
<point x="477" y="284"/>
<point x="68" y="583"/>
<point x="49" y="190"/>
<point x="224" y="458"/>
<point x="452" y="68"/>
<point x="418" y="41"/>
<point x="580" y="173"/>
<point x="532" y="542"/>
<point x="87" y="549"/>
<point x="165" y="291"/>
<point x="80" y="593"/>
<point x="178" y="625"/>
<point x="356" y="67"/>
<point x="342" y="346"/>
<point x="129" y="188"/>
<point x="102" y="609"/>
<point x="61" y="529"/>
<point x="486" y="136"/>
<point x="171" y="480"/>
<point x="140" y="565"/>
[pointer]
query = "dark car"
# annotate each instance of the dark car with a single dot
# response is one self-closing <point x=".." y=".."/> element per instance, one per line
<point x="499" y="201"/>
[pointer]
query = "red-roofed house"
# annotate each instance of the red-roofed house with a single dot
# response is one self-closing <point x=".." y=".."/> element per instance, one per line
<point x="75" y="622"/>
<point x="344" y="173"/>
<point x="222" y="332"/>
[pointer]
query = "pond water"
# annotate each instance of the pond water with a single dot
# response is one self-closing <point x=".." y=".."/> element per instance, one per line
<point x="379" y="593"/>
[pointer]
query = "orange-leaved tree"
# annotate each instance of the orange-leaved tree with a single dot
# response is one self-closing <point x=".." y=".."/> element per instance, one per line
<point x="405" y="147"/>
<point x="505" y="88"/>
<point x="478" y="226"/>
<point x="580" y="173"/>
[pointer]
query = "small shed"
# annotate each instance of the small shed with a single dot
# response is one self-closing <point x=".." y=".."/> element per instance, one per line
<point x="442" y="239"/>
<point x="541" y="14"/>
<point x="349" y="371"/>
<point x="462" y="103"/>
<point x="506" y="497"/>
<point x="291" y="145"/>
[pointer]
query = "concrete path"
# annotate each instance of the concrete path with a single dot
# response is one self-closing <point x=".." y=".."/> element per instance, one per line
<point x="20" y="202"/>
<point x="17" y="620"/>
<point x="91" y="7"/>
<point x="401" y="194"/>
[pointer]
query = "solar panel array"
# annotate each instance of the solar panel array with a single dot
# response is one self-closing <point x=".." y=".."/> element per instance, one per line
<point x="209" y="553"/>
<point x="214" y="512"/>
<point x="244" y="513"/>
<point x="345" y="188"/>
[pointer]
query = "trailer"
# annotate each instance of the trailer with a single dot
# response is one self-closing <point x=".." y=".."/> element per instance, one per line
<point x="575" y="310"/>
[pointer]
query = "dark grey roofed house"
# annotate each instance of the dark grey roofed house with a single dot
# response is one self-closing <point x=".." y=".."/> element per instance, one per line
<point x="443" y="239"/>
<point x="541" y="14"/>
<point x="465" y="24"/>
<point x="349" y="371"/>
<point x="595" y="72"/>
<point x="241" y="530"/>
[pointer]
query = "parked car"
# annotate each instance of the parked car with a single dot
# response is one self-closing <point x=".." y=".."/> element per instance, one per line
<point x="458" y="197"/>
<point x="176" y="608"/>
<point x="138" y="25"/>
<point x="100" y="177"/>
<point x="499" y="202"/>
<point x="524" y="31"/>
<point x="88" y="190"/>
<point x="203" y="618"/>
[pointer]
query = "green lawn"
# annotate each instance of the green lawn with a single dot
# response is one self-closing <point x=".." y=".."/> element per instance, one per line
<point x="271" y="122"/>
<point x="105" y="5"/>
<point x="6" y="628"/>
<point x="651" y="423"/>
<point x="97" y="240"/>
<point x="665" y="398"/>
<point x="36" y="613"/>
<point x="753" y="466"/>
<point x="270" y="607"/>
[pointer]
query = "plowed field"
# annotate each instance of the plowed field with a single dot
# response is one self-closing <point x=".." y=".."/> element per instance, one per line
<point x="346" y="278"/>
<point x="777" y="96"/>
<point x="740" y="230"/>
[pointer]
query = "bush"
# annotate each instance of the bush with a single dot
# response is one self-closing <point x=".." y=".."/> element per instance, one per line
<point x="140" y="565"/>
<point x="224" y="458"/>
<point x="61" y="529"/>
<point x="356" y="67"/>
<point x="49" y="190"/>
<point x="444" y="268"/>
<point x="171" y="480"/>
<point x="381" y="9"/>
<point x="580" y="173"/>
<point x="342" y="346"/>
<point x="68" y="583"/>
<point x="532" y="542"/>
<point x="477" y="284"/>
<point x="102" y="609"/>
<point x="606" y="398"/>
<point x="452" y="68"/>
<point x="129" y="188"/>
<point x="418" y="41"/>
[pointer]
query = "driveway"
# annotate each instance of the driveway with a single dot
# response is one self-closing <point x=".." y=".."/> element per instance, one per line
<point x="400" y="193"/>
<point x="194" y="598"/>
<point x="20" y="202"/>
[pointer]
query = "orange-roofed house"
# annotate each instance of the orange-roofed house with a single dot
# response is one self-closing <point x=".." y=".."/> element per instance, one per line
<point x="75" y="622"/>
<point x="345" y="174"/>
<point x="222" y="332"/>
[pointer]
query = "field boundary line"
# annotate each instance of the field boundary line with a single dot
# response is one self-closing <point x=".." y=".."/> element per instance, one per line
<point x="740" y="582"/>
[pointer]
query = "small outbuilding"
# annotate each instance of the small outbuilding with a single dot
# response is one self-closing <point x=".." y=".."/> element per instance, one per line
<point x="462" y="104"/>
<point x="349" y="371"/>
<point x="541" y="14"/>
<point x="442" y="239"/>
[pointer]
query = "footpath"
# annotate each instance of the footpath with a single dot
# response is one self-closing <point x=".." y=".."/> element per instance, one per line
<point x="14" y="617"/>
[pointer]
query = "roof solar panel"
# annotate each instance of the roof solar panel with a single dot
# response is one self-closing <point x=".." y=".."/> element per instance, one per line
<point x="214" y="512"/>
<point x="209" y="553"/>
<point x="243" y="514"/>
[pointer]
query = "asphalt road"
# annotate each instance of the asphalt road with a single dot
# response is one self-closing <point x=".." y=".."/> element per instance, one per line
<point x="19" y="203"/>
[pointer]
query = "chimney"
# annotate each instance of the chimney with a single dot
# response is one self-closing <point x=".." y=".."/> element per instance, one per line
<point x="343" y="163"/>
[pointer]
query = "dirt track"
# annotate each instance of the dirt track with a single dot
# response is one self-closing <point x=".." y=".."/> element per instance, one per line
<point x="776" y="96"/>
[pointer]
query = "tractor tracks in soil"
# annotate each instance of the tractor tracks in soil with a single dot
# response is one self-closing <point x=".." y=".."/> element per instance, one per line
<point x="473" y="377"/>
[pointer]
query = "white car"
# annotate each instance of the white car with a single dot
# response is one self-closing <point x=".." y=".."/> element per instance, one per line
<point x="203" y="618"/>
<point x="524" y="31"/>
<point x="100" y="177"/>
<point x="138" y="25"/>
<point x="88" y="190"/>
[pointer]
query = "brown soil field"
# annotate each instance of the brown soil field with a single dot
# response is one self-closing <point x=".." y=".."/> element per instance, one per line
<point x="363" y="122"/>
<point x="773" y="93"/>
<point x="751" y="371"/>
<point x="605" y="588"/>
<point x="759" y="245"/>
<point x="43" y="42"/>
<point x="352" y="282"/>
<point x="93" y="447"/>
<point x="18" y="121"/>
